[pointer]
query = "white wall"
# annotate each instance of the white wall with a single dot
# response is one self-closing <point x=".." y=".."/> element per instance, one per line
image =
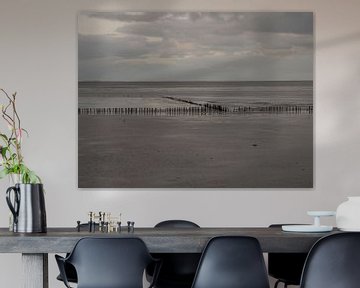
<point x="38" y="59"/>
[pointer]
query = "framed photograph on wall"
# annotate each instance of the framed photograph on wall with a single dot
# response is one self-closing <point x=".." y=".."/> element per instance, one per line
<point x="195" y="99"/>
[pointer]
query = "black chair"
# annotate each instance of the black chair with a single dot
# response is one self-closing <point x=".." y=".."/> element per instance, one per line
<point x="286" y="267"/>
<point x="108" y="263"/>
<point x="178" y="269"/>
<point x="232" y="262"/>
<point x="69" y="269"/>
<point x="333" y="262"/>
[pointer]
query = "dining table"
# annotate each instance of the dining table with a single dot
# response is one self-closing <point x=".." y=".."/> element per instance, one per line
<point x="35" y="247"/>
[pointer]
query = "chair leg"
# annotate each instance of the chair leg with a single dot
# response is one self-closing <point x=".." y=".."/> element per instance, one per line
<point x="278" y="282"/>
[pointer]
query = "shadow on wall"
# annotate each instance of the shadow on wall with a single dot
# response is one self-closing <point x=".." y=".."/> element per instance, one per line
<point x="353" y="37"/>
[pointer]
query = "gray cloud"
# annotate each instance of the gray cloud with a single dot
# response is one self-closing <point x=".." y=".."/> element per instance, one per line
<point x="126" y="17"/>
<point x="275" y="22"/>
<point x="256" y="67"/>
<point x="99" y="46"/>
<point x="161" y="45"/>
<point x="280" y="22"/>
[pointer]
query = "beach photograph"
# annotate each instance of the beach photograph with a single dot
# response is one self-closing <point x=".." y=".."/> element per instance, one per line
<point x="195" y="100"/>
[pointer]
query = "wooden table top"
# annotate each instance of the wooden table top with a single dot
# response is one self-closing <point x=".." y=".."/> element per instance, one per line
<point x="158" y="240"/>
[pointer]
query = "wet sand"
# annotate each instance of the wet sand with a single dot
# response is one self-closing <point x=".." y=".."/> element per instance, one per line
<point x="219" y="151"/>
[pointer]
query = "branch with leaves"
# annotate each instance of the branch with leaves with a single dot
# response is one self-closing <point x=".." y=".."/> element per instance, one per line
<point x="11" y="159"/>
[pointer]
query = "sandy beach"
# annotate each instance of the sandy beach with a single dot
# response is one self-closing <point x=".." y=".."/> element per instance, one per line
<point x="257" y="150"/>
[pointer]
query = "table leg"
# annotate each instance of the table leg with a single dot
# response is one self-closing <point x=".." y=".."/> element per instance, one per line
<point x="35" y="270"/>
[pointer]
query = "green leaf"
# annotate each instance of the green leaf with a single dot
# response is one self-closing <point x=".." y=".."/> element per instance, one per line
<point x="27" y="175"/>
<point x="4" y="137"/>
<point x="3" y="151"/>
<point x="4" y="173"/>
<point x="27" y="133"/>
<point x="33" y="178"/>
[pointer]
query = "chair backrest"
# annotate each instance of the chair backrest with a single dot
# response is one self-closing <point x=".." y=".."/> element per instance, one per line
<point x="232" y="262"/>
<point x="286" y="266"/>
<point x="178" y="269"/>
<point x="110" y="262"/>
<point x="333" y="262"/>
<point x="176" y="224"/>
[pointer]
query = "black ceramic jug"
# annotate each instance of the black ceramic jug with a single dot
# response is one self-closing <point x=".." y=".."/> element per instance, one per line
<point x="28" y="207"/>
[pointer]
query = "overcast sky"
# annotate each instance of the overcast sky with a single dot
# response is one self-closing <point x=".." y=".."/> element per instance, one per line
<point x="152" y="46"/>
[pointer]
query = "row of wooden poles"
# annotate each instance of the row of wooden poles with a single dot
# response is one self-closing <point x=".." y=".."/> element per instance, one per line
<point x="196" y="110"/>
